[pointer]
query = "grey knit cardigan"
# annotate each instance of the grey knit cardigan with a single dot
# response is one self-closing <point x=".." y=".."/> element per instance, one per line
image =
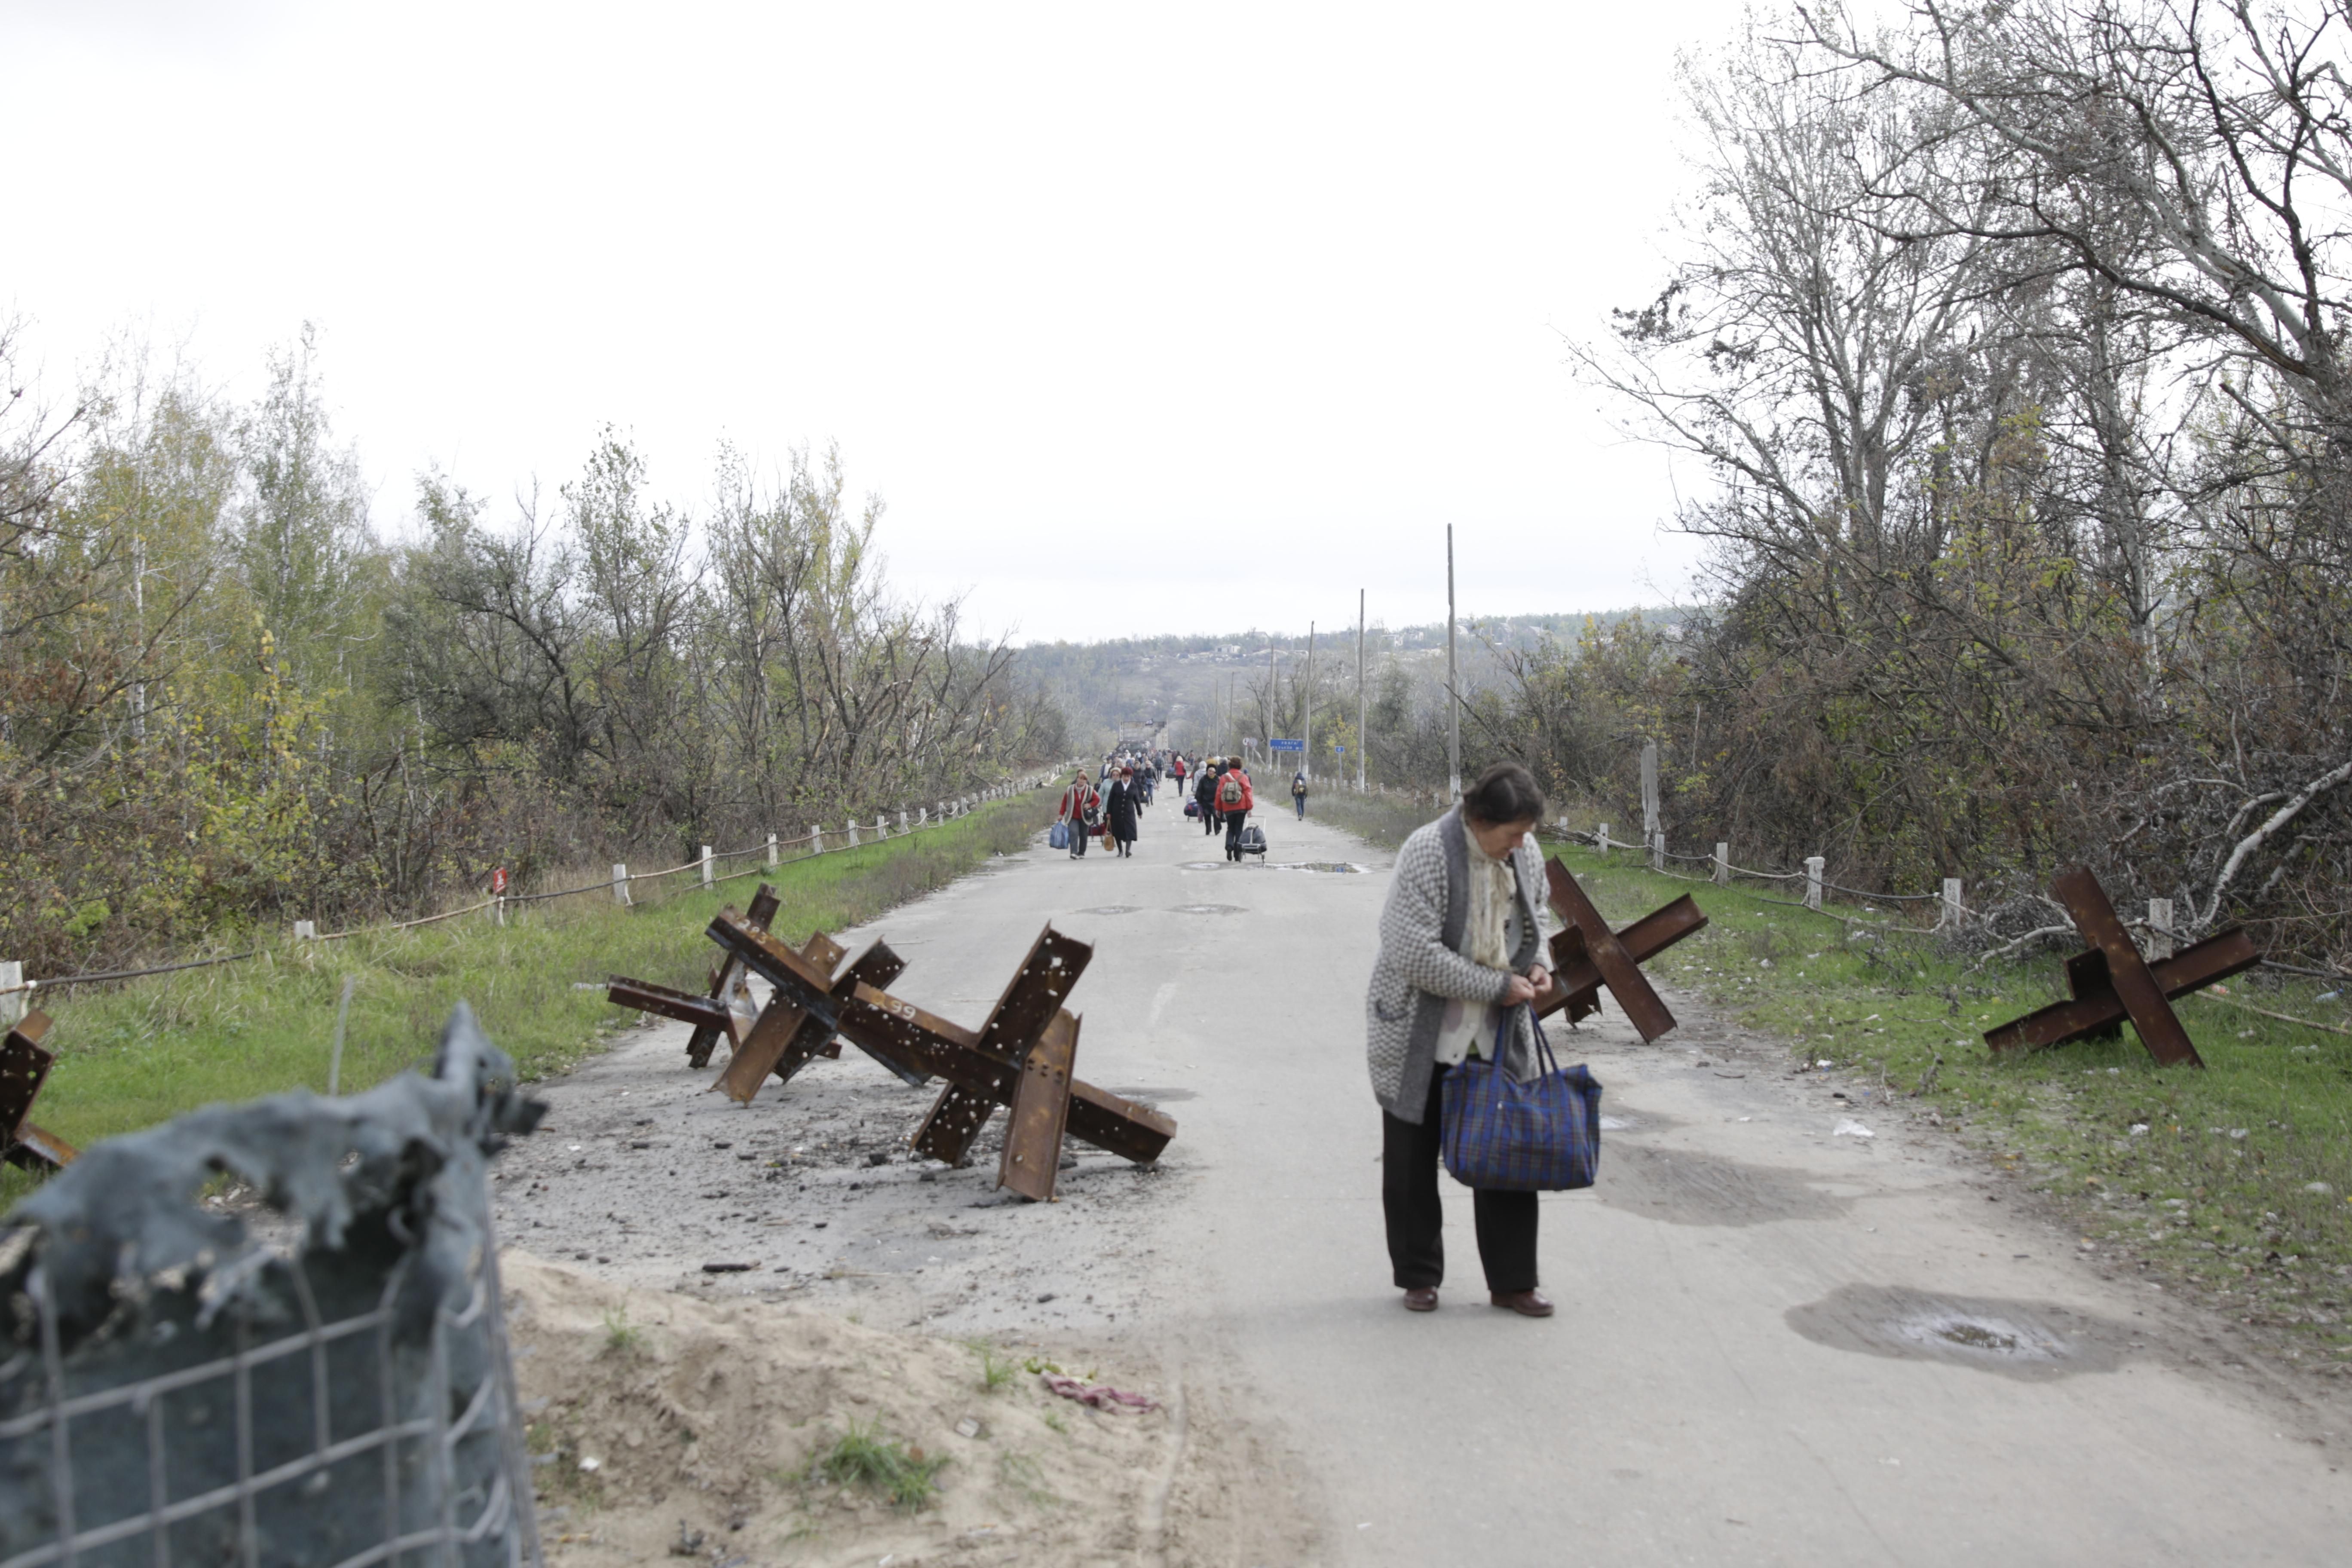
<point x="1421" y="962"/>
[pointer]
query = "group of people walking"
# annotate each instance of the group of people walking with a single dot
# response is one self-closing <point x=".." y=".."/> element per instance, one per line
<point x="1111" y="811"/>
<point x="1220" y="793"/>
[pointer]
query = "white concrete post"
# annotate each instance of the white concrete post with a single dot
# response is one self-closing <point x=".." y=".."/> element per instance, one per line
<point x="902" y="822"/>
<point x="1723" y="865"/>
<point x="816" y="840"/>
<point x="620" y="883"/>
<point x="853" y="833"/>
<point x="772" y="848"/>
<point x="2159" y="928"/>
<point x="13" y="1004"/>
<point x="1601" y="840"/>
<point x="706" y="865"/>
<point x="305" y="930"/>
<point x="1950" y="919"/>
<point x="882" y="825"/>
<point x="1812" y="881"/>
<point x="499" y="907"/>
<point x="1657" y="851"/>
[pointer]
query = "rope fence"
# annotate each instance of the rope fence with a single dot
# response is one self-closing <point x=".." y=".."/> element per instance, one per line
<point x="854" y="835"/>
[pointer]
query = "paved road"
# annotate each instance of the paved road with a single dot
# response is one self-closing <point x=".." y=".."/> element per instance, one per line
<point x="1774" y="1344"/>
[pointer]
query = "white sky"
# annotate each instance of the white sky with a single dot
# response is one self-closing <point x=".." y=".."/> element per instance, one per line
<point x="1181" y="321"/>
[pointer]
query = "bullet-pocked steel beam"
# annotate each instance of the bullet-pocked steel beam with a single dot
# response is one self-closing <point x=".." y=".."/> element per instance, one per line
<point x="1597" y="956"/>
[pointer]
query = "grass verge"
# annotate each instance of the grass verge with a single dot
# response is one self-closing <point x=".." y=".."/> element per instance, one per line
<point x="138" y="1053"/>
<point x="2237" y="1179"/>
<point x="862" y="1457"/>
<point x="1380" y="819"/>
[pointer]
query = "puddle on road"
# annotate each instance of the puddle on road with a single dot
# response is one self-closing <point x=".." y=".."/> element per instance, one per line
<point x="1114" y="909"/>
<point x="1208" y="909"/>
<point x="2017" y="1338"/>
<point x="1703" y="1189"/>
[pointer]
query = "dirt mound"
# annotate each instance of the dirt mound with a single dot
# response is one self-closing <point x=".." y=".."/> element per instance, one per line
<point x="665" y="1424"/>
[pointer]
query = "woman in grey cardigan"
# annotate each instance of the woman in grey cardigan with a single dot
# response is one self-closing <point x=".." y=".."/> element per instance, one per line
<point x="1460" y="953"/>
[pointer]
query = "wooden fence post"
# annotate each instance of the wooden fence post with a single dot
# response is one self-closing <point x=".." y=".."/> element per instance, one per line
<point x="1813" y="881"/>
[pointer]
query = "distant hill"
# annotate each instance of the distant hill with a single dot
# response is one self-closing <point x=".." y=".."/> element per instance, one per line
<point x="1184" y="678"/>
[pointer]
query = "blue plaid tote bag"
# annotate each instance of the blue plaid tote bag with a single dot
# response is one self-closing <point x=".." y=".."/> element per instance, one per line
<point x="1541" y="1136"/>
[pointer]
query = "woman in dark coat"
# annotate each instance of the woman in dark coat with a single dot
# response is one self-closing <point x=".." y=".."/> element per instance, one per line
<point x="1120" y="810"/>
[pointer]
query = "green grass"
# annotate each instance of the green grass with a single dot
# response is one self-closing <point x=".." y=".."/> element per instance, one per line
<point x="2238" y="1176"/>
<point x="1383" y="820"/>
<point x="996" y="1368"/>
<point x="130" y="1055"/>
<point x="862" y="1457"/>
<point x="622" y="1337"/>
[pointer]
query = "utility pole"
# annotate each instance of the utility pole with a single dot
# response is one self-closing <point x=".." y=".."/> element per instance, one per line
<point x="1362" y="743"/>
<point x="1307" y="711"/>
<point x="1452" y="689"/>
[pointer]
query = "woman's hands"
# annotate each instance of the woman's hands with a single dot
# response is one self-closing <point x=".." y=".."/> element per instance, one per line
<point x="1527" y="987"/>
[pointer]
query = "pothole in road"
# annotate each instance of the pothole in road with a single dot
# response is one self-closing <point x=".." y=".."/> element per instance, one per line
<point x="2018" y="1339"/>
<point x="1208" y="909"/>
<point x="1114" y="909"/>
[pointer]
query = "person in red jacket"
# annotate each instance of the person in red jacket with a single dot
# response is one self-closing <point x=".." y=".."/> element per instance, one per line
<point x="1082" y="809"/>
<point x="1233" y="803"/>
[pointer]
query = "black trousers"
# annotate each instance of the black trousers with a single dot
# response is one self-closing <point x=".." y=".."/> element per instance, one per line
<point x="1234" y="820"/>
<point x="1209" y="820"/>
<point x="1505" y="1221"/>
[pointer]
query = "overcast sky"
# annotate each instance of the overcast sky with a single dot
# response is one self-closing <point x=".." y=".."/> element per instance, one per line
<point x="1187" y="320"/>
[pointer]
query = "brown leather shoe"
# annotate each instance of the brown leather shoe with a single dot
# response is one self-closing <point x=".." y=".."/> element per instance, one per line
<point x="1526" y="1303"/>
<point x="1424" y="1300"/>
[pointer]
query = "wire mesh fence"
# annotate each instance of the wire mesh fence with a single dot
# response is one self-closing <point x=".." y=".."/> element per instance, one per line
<point x="328" y="1387"/>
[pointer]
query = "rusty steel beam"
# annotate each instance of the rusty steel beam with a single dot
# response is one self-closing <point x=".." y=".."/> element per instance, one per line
<point x="917" y="1043"/>
<point x="683" y="1006"/>
<point x="1577" y="980"/>
<point x="727" y="986"/>
<point x="2096" y="1012"/>
<point x="1597" y="956"/>
<point x="1032" y="1000"/>
<point x="785" y="1038"/>
<point x="24" y="1067"/>
<point x="1040" y="1111"/>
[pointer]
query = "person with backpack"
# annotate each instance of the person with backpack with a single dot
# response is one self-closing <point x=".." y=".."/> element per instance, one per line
<point x="1461" y="957"/>
<point x="1081" y="810"/>
<point x="1233" y="803"/>
<point x="1298" y="792"/>
<point x="1205" y="793"/>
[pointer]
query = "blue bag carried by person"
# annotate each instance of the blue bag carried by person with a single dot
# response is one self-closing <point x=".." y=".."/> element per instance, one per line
<point x="1059" y="838"/>
<point x="1540" y="1136"/>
